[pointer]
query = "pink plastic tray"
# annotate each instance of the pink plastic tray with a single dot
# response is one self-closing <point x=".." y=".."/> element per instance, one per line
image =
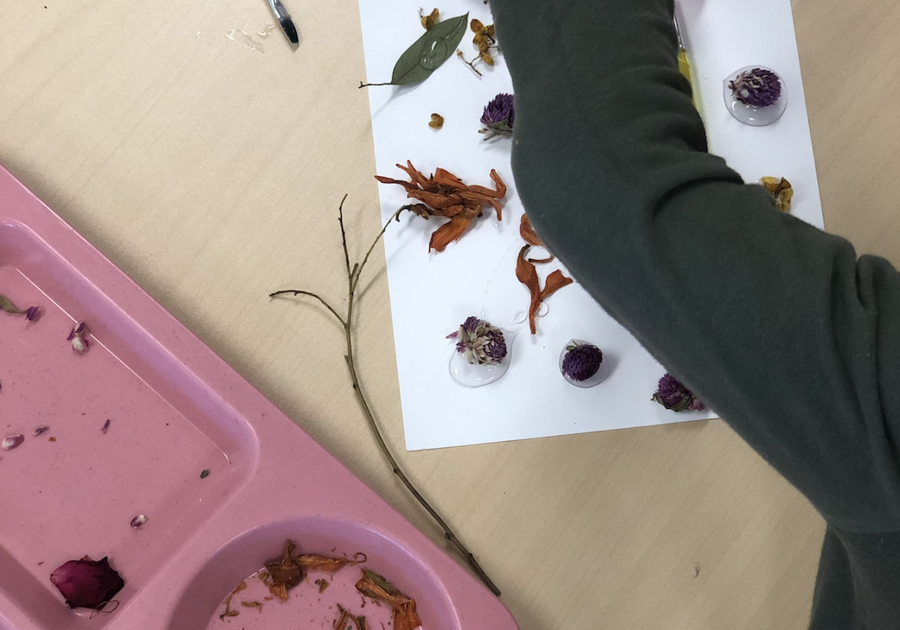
<point x="175" y="409"/>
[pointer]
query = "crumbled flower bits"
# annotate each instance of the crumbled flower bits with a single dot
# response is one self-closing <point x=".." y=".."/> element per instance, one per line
<point x="672" y="394"/>
<point x="531" y="237"/>
<point x="12" y="441"/>
<point x="437" y="121"/>
<point x="445" y="195"/>
<point x="39" y="430"/>
<point x="204" y="473"/>
<point x="527" y="274"/>
<point x="781" y="190"/>
<point x="481" y="355"/>
<point x="498" y="117"/>
<point x="78" y="339"/>
<point x="755" y="95"/>
<point x="105" y="427"/>
<point x="581" y="364"/>
<point x="138" y="521"/>
<point x="87" y="583"/>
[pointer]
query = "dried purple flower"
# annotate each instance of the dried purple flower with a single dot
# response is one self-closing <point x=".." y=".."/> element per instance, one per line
<point x="480" y="342"/>
<point x="39" y="430"/>
<point x="499" y="116"/>
<point x="78" y="339"/>
<point x="672" y="394"/>
<point x="757" y="87"/>
<point x="582" y="361"/>
<point x="12" y="442"/>
<point x="32" y="313"/>
<point x="86" y="583"/>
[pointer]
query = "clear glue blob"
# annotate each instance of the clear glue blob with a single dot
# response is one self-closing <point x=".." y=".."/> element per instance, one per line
<point x="749" y="114"/>
<point x="592" y="381"/>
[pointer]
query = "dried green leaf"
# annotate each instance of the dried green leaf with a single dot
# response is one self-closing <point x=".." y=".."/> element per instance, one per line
<point x="428" y="52"/>
<point x="7" y="305"/>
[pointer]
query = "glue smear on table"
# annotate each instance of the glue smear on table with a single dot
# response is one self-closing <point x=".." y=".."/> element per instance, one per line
<point x="306" y="608"/>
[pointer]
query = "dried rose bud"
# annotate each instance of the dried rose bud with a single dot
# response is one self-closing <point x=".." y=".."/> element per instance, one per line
<point x="582" y="361"/>
<point x="672" y="394"/>
<point x="12" y="442"/>
<point x="480" y="342"/>
<point x="86" y="583"/>
<point x="757" y="87"/>
<point x="499" y="116"/>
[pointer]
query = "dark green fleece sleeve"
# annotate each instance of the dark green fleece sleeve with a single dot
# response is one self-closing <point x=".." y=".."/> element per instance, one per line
<point x="778" y="326"/>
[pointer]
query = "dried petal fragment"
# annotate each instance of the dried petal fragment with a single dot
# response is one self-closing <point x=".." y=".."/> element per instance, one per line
<point x="437" y="121"/>
<point x="448" y="233"/>
<point x="375" y="586"/>
<point x="39" y="430"/>
<point x="431" y="19"/>
<point x="86" y="583"/>
<point x="781" y="190"/>
<point x="314" y="562"/>
<point x="555" y="281"/>
<point x="526" y="272"/>
<point x="285" y="571"/>
<point x="12" y="442"/>
<point x="138" y="521"/>
<point x="528" y="234"/>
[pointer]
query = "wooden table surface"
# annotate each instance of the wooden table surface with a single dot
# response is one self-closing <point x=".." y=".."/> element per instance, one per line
<point x="210" y="172"/>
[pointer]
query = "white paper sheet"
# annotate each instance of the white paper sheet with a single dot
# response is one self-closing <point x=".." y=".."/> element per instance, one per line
<point x="431" y="294"/>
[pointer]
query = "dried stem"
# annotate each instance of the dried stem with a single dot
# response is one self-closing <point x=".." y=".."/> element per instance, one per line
<point x="353" y="275"/>
<point x="362" y="85"/>
<point x="471" y="64"/>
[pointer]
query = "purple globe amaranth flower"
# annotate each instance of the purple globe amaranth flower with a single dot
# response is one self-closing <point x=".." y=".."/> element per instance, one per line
<point x="757" y="87"/>
<point x="86" y="583"/>
<point x="672" y="394"/>
<point x="582" y="361"/>
<point x="480" y="342"/>
<point x="499" y="116"/>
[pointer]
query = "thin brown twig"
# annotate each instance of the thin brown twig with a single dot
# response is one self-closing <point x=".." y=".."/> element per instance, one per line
<point x="353" y="275"/>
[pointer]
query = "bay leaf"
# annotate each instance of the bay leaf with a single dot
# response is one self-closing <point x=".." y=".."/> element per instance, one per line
<point x="428" y="52"/>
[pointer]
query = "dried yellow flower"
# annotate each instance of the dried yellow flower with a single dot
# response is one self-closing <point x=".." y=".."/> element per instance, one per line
<point x="437" y="121"/>
<point x="781" y="190"/>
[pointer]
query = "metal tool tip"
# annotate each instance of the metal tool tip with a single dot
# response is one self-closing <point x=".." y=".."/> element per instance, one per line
<point x="288" y="25"/>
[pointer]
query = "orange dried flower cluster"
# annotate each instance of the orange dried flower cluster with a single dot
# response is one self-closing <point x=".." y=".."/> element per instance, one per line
<point x="445" y="195"/>
<point x="485" y="37"/>
<point x="527" y="274"/>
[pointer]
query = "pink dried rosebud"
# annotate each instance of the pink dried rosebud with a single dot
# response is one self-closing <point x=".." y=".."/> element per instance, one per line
<point x="86" y="583"/>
